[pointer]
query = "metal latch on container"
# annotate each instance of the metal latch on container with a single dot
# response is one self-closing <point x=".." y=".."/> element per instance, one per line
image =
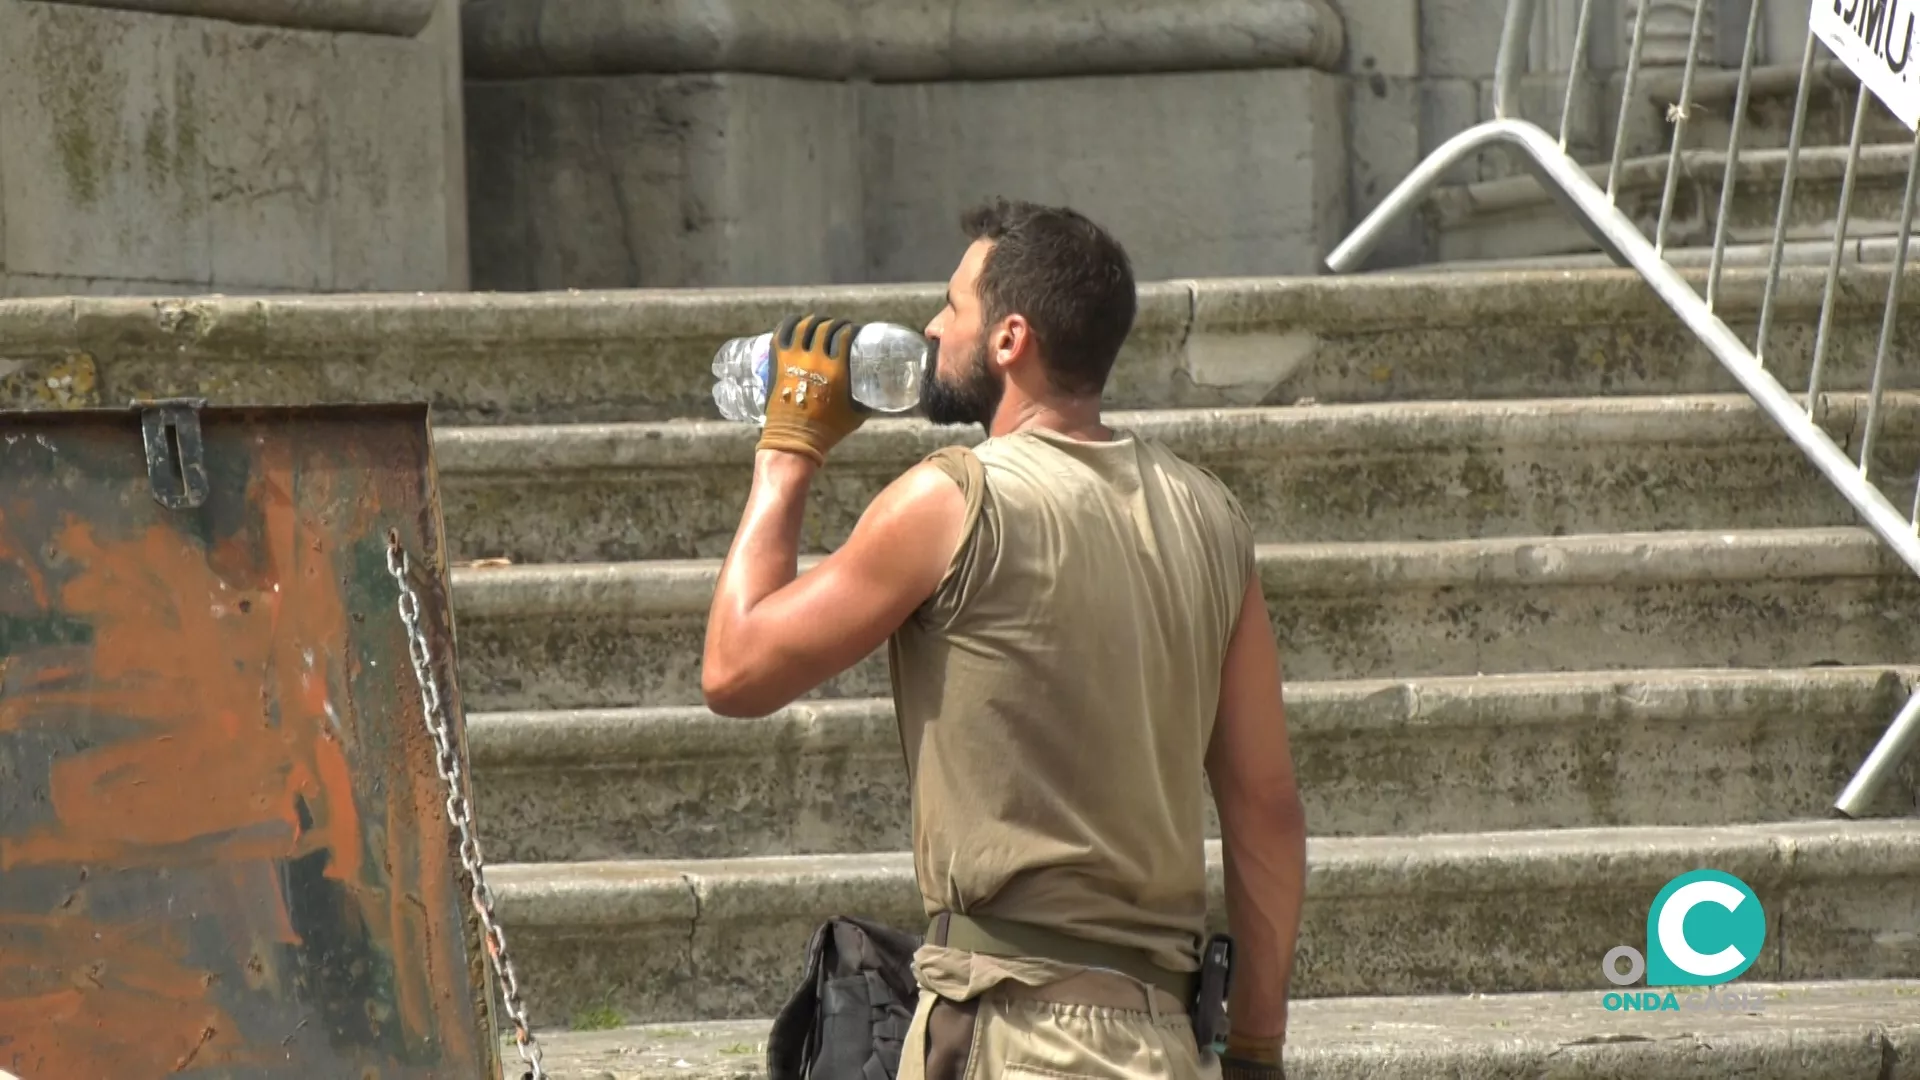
<point x="176" y="460"/>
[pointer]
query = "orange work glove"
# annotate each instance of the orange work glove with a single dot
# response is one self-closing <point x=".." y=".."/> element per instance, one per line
<point x="810" y="405"/>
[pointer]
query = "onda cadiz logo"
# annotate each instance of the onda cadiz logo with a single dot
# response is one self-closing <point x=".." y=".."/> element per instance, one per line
<point x="1705" y="928"/>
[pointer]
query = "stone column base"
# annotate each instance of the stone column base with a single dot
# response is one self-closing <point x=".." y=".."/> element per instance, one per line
<point x="169" y="153"/>
<point x="737" y="179"/>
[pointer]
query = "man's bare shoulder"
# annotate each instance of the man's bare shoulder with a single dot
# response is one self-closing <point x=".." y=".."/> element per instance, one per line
<point x="925" y="498"/>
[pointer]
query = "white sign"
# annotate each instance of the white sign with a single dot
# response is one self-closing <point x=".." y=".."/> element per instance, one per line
<point x="1876" y="40"/>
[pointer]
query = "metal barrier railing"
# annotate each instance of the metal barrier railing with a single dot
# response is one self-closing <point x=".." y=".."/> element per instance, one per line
<point x="1547" y="159"/>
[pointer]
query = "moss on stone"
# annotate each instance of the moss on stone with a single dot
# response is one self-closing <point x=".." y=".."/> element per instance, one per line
<point x="186" y="118"/>
<point x="157" y="154"/>
<point x="84" y="95"/>
<point x="78" y="157"/>
<point x="596" y="1018"/>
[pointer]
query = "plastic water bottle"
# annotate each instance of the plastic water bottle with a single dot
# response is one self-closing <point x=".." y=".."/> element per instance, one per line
<point x="887" y="362"/>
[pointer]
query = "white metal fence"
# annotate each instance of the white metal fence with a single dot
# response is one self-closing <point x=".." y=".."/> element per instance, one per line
<point x="1887" y="52"/>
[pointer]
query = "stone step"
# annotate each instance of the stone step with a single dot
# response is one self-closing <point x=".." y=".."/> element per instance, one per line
<point x="1770" y="100"/>
<point x="1515" y="217"/>
<point x="483" y="358"/>
<point x="1649" y="131"/>
<point x="1844" y="1030"/>
<point x="1488" y="913"/>
<point x="1856" y="250"/>
<point x="1405" y="471"/>
<point x="542" y="637"/>
<point x="1375" y="757"/>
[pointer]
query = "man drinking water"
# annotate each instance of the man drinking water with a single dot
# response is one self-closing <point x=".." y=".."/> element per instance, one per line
<point x="1078" y="641"/>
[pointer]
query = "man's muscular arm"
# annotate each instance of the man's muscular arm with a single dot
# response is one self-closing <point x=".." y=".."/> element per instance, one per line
<point x="1263" y="833"/>
<point x="774" y="634"/>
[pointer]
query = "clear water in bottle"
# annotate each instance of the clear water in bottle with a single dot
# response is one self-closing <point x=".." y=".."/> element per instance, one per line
<point x="887" y="363"/>
<point x="742" y="370"/>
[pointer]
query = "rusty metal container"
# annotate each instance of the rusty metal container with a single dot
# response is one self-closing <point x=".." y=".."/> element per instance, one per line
<point x="224" y="848"/>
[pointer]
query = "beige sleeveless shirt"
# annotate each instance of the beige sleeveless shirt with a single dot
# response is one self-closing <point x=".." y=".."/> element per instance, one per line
<point x="1057" y="693"/>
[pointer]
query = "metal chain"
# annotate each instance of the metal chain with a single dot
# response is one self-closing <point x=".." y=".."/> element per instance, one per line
<point x="459" y="809"/>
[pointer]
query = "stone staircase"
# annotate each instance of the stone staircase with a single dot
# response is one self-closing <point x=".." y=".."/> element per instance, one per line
<point x="1548" y="644"/>
<point x="1562" y="616"/>
<point x="1506" y="218"/>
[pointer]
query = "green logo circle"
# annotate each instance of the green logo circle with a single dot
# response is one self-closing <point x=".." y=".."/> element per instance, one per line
<point x="1706" y="927"/>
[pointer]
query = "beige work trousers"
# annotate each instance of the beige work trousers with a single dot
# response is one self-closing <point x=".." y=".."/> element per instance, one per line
<point x="988" y="1018"/>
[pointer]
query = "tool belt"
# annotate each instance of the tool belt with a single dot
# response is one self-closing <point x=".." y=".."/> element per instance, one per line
<point x="1004" y="937"/>
<point x="1204" y="992"/>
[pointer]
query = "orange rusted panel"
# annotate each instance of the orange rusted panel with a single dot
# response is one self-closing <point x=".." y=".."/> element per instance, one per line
<point x="224" y="850"/>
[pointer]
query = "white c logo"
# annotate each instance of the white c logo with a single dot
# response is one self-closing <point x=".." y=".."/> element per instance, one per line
<point x="1673" y="937"/>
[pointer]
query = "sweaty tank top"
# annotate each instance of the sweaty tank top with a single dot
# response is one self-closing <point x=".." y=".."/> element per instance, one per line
<point x="1056" y="694"/>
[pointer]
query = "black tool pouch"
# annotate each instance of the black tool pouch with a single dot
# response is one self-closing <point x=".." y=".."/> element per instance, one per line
<point x="850" y="1014"/>
<point x="1209" y="1007"/>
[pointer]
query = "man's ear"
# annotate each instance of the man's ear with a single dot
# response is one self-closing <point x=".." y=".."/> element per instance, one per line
<point x="1012" y="340"/>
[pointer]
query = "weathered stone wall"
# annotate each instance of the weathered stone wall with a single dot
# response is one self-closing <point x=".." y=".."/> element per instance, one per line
<point x="281" y="145"/>
<point x="711" y="142"/>
<point x="617" y="143"/>
<point x="245" y="146"/>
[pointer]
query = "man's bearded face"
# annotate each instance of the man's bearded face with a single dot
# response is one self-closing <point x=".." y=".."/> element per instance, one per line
<point x="967" y="395"/>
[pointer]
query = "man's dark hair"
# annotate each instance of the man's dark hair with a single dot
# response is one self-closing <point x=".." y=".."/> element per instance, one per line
<point x="1068" y="277"/>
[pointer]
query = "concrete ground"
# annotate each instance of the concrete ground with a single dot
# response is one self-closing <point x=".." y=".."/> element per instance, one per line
<point x="1864" y="1029"/>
